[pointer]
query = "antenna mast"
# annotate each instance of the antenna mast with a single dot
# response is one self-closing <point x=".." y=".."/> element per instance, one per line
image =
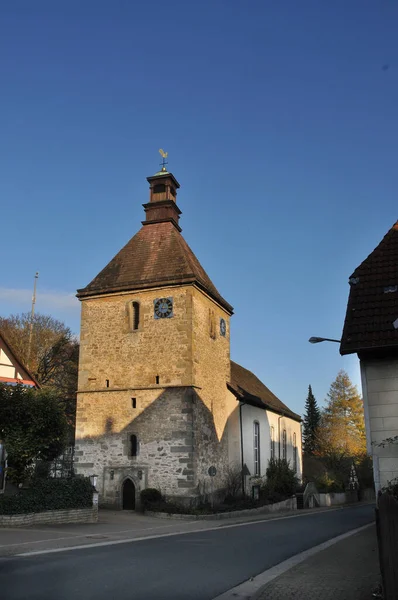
<point x="32" y="314"/>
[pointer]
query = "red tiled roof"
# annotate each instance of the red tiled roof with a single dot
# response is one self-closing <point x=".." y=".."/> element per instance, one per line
<point x="156" y="256"/>
<point x="373" y="301"/>
<point x="14" y="380"/>
<point x="248" y="388"/>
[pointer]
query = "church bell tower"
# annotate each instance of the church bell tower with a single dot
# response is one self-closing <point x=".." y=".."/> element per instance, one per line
<point x="154" y="362"/>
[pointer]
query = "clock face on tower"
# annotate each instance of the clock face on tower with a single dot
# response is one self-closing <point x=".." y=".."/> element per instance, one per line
<point x="163" y="308"/>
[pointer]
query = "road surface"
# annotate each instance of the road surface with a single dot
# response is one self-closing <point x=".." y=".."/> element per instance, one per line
<point x="194" y="566"/>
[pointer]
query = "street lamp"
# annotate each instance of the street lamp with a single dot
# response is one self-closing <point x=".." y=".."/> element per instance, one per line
<point x="316" y="340"/>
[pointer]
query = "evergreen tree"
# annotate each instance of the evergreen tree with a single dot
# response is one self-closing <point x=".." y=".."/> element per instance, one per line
<point x="311" y="422"/>
<point x="342" y="427"/>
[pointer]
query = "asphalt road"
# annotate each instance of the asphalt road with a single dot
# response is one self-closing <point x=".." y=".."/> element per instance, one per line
<point x="194" y="566"/>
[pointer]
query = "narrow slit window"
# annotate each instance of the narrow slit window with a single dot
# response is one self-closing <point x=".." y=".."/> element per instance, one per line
<point x="212" y="324"/>
<point x="134" y="402"/>
<point x="133" y="445"/>
<point x="294" y="453"/>
<point x="107" y="382"/>
<point x="272" y="435"/>
<point x="136" y="315"/>
<point x="157" y="379"/>
<point x="256" y="447"/>
<point x="284" y="445"/>
<point x="133" y="310"/>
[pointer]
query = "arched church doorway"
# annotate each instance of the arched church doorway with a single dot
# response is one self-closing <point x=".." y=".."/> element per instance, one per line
<point x="128" y="495"/>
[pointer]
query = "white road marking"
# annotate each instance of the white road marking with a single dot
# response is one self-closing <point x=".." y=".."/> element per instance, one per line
<point x="71" y="536"/>
<point x="163" y="535"/>
<point x="249" y="589"/>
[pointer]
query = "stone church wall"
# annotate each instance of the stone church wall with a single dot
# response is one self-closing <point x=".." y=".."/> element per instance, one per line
<point x="180" y="423"/>
<point x="211" y="372"/>
<point x="111" y="350"/>
<point x="163" y="425"/>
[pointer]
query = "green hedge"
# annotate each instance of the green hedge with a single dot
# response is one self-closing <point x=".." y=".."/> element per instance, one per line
<point x="150" y="496"/>
<point x="49" y="494"/>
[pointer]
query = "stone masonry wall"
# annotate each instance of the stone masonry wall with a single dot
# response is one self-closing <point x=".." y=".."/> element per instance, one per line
<point x="162" y="422"/>
<point x="111" y="350"/>
<point x="180" y="423"/>
<point x="214" y="404"/>
<point x="51" y="517"/>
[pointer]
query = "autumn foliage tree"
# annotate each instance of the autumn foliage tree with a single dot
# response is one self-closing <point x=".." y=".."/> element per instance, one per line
<point x="341" y="430"/>
<point x="46" y="335"/>
<point x="53" y="355"/>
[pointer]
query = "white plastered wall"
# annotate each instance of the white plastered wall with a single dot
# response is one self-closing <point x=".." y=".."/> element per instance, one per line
<point x="380" y="397"/>
<point x="266" y="420"/>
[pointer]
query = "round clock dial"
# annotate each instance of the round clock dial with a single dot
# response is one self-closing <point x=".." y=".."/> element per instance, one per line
<point x="223" y="327"/>
<point x="163" y="308"/>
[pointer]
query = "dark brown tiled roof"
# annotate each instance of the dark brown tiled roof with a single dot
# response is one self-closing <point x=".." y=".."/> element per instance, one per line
<point x="156" y="256"/>
<point x="248" y="388"/>
<point x="373" y="304"/>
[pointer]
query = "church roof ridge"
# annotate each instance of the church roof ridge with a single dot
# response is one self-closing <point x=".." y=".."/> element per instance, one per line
<point x="248" y="388"/>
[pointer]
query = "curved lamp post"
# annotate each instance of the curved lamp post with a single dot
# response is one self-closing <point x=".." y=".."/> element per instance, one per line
<point x="316" y="340"/>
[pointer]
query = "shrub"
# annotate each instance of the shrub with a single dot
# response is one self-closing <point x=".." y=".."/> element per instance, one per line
<point x="232" y="480"/>
<point x="327" y="483"/>
<point x="281" y="481"/>
<point x="49" y="494"/>
<point x="391" y="488"/>
<point x="149" y="497"/>
<point x="269" y="496"/>
<point x="364" y="470"/>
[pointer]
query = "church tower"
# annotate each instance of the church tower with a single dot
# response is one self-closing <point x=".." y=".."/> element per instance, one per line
<point x="153" y="404"/>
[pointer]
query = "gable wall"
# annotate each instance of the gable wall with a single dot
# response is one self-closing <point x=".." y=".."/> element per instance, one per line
<point x="9" y="366"/>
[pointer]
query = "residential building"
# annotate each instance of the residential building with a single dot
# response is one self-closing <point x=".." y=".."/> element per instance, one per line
<point x="371" y="331"/>
<point x="12" y="370"/>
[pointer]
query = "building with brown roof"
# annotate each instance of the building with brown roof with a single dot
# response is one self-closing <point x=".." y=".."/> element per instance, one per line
<point x="159" y="401"/>
<point x="371" y="331"/>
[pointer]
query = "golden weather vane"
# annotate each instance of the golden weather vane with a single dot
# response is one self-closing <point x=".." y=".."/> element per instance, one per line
<point x="164" y="155"/>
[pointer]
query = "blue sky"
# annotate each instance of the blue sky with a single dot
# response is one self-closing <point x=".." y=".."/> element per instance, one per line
<point x="280" y="119"/>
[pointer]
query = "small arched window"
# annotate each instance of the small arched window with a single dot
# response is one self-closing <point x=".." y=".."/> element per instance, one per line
<point x="134" y="315"/>
<point x="133" y="445"/>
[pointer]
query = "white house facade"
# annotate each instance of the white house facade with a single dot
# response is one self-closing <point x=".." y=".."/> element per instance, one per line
<point x="371" y="331"/>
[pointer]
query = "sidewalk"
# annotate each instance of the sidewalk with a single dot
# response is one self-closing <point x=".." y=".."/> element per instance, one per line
<point x="347" y="570"/>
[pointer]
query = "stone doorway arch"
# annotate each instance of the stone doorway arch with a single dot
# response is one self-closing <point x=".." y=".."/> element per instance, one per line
<point x="128" y="495"/>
